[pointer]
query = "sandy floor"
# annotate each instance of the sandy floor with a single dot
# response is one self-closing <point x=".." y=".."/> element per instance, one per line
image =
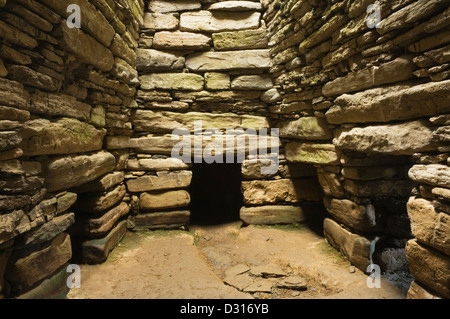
<point x="192" y="265"/>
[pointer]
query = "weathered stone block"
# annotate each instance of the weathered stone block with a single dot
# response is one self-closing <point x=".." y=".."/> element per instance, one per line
<point x="100" y="226"/>
<point x="356" y="248"/>
<point x="171" y="219"/>
<point x="228" y="60"/>
<point x="17" y="37"/>
<point x="240" y="40"/>
<point x="418" y="291"/>
<point x="124" y="72"/>
<point x="235" y="6"/>
<point x="331" y="183"/>
<point x="102" y="184"/>
<point x="408" y="15"/>
<point x="97" y="203"/>
<point x="162" y="181"/>
<point x="165" y="200"/>
<point x="359" y="217"/>
<point x="429" y="266"/>
<point x="282" y="190"/>
<point x="157" y="164"/>
<point x="96" y="251"/>
<point x="172" y="81"/>
<point x="399" y="139"/>
<point x="25" y="269"/>
<point x="429" y="226"/>
<point x="64" y="201"/>
<point x="13" y="94"/>
<point x="434" y="174"/>
<point x="272" y="215"/>
<point x="323" y="33"/>
<point x="252" y="82"/>
<point x="65" y="136"/>
<point x="150" y="121"/>
<point x="151" y="60"/>
<point x="311" y="153"/>
<point x="76" y="170"/>
<point x="398" y="70"/>
<point x="86" y="48"/>
<point x="181" y="41"/>
<point x="207" y="21"/>
<point x="47" y="232"/>
<point x="161" y="21"/>
<point x="305" y="128"/>
<point x="9" y="140"/>
<point x="33" y="78"/>
<point x="217" y="81"/>
<point x="59" y="105"/>
<point x="391" y="104"/>
<point x="54" y="287"/>
<point x="255" y="170"/>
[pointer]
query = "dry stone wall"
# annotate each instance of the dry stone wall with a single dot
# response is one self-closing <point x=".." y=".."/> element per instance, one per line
<point x="365" y="98"/>
<point x="360" y="99"/>
<point x="63" y="91"/>
<point x="205" y="61"/>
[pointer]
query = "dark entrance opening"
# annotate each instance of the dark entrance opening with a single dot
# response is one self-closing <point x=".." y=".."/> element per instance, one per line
<point x="216" y="196"/>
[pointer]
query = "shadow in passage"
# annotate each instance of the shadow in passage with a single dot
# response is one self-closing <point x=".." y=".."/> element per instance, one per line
<point x="310" y="192"/>
<point x="216" y="196"/>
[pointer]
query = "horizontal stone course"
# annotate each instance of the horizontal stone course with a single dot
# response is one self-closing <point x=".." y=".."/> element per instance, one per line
<point x="228" y="60"/>
<point x="207" y="21"/>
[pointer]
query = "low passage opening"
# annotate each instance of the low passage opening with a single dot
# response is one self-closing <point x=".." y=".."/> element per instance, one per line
<point x="216" y="196"/>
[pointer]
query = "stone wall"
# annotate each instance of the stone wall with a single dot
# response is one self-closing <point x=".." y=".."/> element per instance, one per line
<point x="63" y="91"/>
<point x="380" y="97"/>
<point x="86" y="116"/>
<point x="205" y="61"/>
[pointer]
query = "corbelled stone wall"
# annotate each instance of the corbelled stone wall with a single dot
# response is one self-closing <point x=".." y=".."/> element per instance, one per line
<point x="205" y="61"/>
<point x="86" y="116"/>
<point x="63" y="90"/>
<point x="381" y="97"/>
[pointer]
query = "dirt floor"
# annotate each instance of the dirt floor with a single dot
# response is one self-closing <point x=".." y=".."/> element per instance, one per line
<point x="227" y="262"/>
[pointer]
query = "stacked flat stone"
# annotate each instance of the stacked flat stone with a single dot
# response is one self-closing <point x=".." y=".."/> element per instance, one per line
<point x="197" y="61"/>
<point x="63" y="90"/>
<point x="380" y="96"/>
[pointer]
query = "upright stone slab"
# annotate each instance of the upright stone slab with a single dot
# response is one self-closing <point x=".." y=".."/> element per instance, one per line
<point x="96" y="251"/>
<point x="429" y="267"/>
<point x="355" y="247"/>
<point x="25" y="270"/>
